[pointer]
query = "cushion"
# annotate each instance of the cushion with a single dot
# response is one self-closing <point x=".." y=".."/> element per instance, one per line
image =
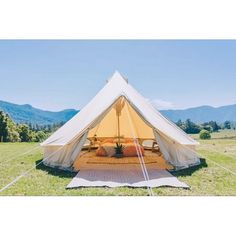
<point x="148" y="143"/>
<point x="101" y="152"/>
<point x="129" y="140"/>
<point x="116" y="140"/>
<point x="109" y="140"/>
<point x="130" y="151"/>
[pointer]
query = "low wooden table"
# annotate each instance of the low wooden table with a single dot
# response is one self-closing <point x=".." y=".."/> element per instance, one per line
<point x="93" y="145"/>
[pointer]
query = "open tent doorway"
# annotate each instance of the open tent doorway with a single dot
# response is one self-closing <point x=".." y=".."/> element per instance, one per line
<point x="123" y="126"/>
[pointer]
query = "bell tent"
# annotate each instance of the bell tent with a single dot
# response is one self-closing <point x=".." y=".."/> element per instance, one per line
<point x="119" y="111"/>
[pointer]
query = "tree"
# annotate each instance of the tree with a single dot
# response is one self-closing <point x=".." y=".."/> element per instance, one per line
<point x="211" y="126"/>
<point x="179" y="123"/>
<point x="37" y="128"/>
<point x="3" y="127"/>
<point x="214" y="125"/>
<point x="25" y="133"/>
<point x="188" y="126"/>
<point x="49" y="128"/>
<point x="14" y="136"/>
<point x="205" y="134"/>
<point x="8" y="129"/>
<point x="191" y="128"/>
<point x="12" y="133"/>
<point x="208" y="128"/>
<point x="227" y="125"/>
<point x="40" y="136"/>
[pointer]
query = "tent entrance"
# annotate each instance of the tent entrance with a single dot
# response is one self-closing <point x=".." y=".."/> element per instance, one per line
<point x="115" y="128"/>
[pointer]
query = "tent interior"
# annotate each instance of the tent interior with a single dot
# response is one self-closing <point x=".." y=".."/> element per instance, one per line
<point x="121" y="124"/>
<point x="122" y="120"/>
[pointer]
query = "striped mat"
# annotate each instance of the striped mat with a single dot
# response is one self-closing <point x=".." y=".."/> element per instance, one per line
<point x="124" y="178"/>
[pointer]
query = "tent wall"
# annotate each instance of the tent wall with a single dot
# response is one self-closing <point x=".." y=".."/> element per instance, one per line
<point x="63" y="156"/>
<point x="180" y="156"/>
<point x="108" y="127"/>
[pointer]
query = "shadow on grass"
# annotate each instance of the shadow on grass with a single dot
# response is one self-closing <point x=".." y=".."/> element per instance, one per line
<point x="55" y="171"/>
<point x="68" y="174"/>
<point x="191" y="170"/>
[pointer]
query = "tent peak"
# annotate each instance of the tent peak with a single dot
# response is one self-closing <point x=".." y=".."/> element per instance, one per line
<point x="117" y="76"/>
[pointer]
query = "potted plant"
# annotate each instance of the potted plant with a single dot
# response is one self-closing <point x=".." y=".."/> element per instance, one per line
<point x="119" y="150"/>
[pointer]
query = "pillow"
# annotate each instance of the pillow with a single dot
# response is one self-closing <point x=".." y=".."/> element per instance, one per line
<point x="109" y="140"/>
<point x="147" y="143"/>
<point x="129" y="140"/>
<point x="116" y="140"/>
<point x="130" y="151"/>
<point x="101" y="152"/>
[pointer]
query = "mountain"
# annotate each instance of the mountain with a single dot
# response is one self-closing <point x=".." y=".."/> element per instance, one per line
<point x="28" y="114"/>
<point x="203" y="114"/>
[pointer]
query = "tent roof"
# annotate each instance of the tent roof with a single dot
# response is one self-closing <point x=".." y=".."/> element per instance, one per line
<point x="116" y="87"/>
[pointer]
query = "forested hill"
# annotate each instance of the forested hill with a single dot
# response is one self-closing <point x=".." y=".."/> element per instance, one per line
<point x="28" y="114"/>
<point x="203" y="114"/>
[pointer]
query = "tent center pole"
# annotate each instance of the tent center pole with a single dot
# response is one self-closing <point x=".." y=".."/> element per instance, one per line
<point x="118" y="128"/>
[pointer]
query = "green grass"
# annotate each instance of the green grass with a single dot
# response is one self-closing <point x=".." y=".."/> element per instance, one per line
<point x="207" y="179"/>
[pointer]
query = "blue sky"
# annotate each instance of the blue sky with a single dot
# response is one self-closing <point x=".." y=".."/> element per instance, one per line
<point x="55" y="75"/>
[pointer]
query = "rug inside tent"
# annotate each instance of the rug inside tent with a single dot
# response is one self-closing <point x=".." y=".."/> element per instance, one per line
<point x="118" y="177"/>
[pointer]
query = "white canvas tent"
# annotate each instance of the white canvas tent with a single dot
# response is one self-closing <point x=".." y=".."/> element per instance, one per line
<point x="119" y="104"/>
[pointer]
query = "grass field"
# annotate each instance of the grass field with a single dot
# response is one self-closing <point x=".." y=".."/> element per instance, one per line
<point x="208" y="179"/>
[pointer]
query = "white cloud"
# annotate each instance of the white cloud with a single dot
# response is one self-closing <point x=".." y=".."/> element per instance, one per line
<point x="162" y="104"/>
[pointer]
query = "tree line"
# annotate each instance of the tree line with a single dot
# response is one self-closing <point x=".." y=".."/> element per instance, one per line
<point x="12" y="132"/>
<point x="212" y="126"/>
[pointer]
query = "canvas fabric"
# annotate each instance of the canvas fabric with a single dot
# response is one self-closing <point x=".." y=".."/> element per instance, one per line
<point x="100" y="116"/>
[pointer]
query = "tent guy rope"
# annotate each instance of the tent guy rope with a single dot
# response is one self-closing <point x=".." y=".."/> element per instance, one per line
<point x="17" y="156"/>
<point x="26" y="172"/>
<point x="138" y="148"/>
<point x="140" y="156"/>
<point x="216" y="163"/>
<point x="223" y="167"/>
<point x="146" y="176"/>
